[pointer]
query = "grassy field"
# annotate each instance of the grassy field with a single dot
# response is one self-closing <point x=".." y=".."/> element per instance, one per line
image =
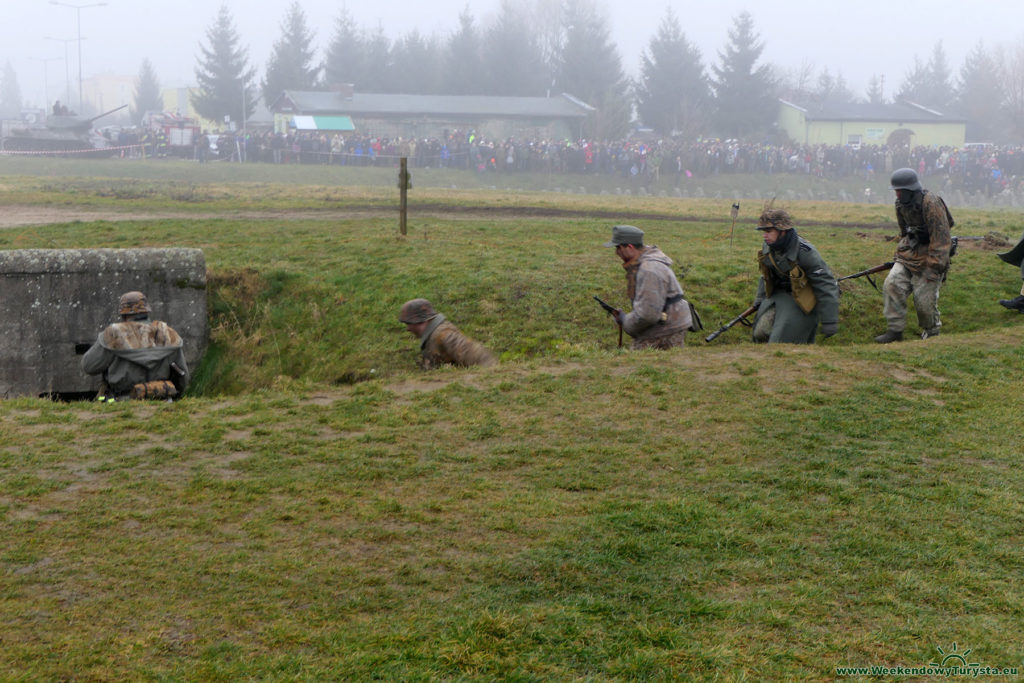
<point x="318" y="509"/>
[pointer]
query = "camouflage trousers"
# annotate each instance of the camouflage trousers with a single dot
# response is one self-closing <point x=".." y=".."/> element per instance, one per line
<point x="899" y="285"/>
<point x="667" y="342"/>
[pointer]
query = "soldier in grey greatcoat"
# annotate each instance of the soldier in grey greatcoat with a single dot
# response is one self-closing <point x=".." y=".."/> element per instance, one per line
<point x="796" y="290"/>
<point x="441" y="342"/>
<point x="921" y="260"/>
<point x="137" y="357"/>
<point x="1015" y="257"/>
<point x="660" y="315"/>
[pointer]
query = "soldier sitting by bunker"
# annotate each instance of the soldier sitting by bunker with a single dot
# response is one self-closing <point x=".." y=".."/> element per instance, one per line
<point x="138" y="357"/>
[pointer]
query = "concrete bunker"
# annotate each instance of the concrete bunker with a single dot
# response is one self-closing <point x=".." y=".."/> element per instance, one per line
<point x="54" y="303"/>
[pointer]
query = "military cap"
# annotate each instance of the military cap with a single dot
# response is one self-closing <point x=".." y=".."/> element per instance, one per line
<point x="774" y="218"/>
<point x="133" y="303"/>
<point x="626" y="234"/>
<point x="416" y="311"/>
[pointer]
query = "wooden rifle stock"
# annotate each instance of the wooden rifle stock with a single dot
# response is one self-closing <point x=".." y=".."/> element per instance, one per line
<point x="869" y="272"/>
<point x="741" y="318"/>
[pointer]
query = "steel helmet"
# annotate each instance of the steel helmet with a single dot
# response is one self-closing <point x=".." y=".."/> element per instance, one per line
<point x="905" y="179"/>
<point x="774" y="218"/>
<point x="416" y="311"/>
<point x="133" y="303"/>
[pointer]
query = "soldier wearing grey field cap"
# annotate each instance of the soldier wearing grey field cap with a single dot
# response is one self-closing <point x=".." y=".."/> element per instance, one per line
<point x="660" y="315"/>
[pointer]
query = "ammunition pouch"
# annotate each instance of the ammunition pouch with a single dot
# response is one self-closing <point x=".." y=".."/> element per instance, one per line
<point x="803" y="295"/>
<point x="157" y="390"/>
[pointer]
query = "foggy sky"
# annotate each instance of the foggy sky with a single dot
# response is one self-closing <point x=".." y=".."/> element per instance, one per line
<point x="859" y="38"/>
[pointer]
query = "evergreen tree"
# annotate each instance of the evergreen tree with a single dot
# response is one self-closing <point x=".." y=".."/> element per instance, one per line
<point x="589" y="67"/>
<point x="416" y="64"/>
<point x="744" y="93"/>
<point x="463" y="71"/>
<point x="377" y="74"/>
<point x="10" y="93"/>
<point x="1012" y="70"/>
<point x="223" y="73"/>
<point x="673" y="93"/>
<point x="147" y="93"/>
<point x="874" y="92"/>
<point x="915" y="83"/>
<point x="979" y="94"/>
<point x="512" y="56"/>
<point x="832" y="90"/>
<point x="928" y="83"/>
<point x="345" y="61"/>
<point x="290" y="62"/>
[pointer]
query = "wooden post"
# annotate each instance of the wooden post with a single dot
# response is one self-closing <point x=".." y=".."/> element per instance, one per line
<point x="403" y="188"/>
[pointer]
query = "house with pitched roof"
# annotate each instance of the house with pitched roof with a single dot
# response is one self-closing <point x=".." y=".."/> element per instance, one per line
<point x="430" y="116"/>
<point x="896" y="124"/>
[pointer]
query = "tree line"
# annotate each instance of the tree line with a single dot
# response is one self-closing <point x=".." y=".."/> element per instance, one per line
<point x="548" y="47"/>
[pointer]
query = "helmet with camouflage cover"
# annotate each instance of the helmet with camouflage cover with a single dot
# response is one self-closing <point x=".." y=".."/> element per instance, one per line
<point x="774" y="218"/>
<point x="416" y="311"/>
<point x="133" y="303"/>
<point x="905" y="179"/>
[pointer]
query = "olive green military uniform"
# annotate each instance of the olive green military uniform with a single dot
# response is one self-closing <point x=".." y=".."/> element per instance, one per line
<point x="796" y="291"/>
<point x="921" y="262"/>
<point x="442" y="343"/>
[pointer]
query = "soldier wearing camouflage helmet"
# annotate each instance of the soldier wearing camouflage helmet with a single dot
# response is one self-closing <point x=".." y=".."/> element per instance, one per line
<point x="796" y="291"/>
<point x="137" y="357"/>
<point x="441" y="342"/>
<point x="921" y="260"/>
<point x="661" y="316"/>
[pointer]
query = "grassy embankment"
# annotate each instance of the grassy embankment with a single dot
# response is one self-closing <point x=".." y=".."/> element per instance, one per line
<point x="725" y="511"/>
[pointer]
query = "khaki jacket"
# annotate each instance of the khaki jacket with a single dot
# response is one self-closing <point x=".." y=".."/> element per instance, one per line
<point x="649" y="283"/>
<point x="442" y="343"/>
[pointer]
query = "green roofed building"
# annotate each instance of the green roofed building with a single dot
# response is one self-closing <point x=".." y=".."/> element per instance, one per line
<point x="897" y="124"/>
<point x="428" y="116"/>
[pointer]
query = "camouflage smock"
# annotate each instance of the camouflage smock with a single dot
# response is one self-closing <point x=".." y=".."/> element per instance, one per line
<point x="649" y="283"/>
<point x="129" y="353"/>
<point x="442" y="343"/>
<point x="792" y="325"/>
<point x="925" y="237"/>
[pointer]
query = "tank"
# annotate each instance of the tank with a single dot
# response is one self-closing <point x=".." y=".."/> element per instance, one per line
<point x="60" y="133"/>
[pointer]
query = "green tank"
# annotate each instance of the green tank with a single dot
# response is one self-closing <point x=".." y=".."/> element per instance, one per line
<point x="60" y="133"/>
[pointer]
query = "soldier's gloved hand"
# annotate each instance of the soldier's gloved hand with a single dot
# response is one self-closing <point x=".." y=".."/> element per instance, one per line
<point x="829" y="329"/>
<point x="617" y="316"/>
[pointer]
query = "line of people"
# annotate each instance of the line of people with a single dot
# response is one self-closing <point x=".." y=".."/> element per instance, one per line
<point x="797" y="293"/>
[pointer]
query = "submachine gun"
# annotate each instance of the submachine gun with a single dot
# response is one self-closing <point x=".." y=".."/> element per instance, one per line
<point x="614" y="313"/>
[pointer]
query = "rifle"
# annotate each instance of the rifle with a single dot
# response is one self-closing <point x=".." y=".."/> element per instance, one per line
<point x="613" y="312"/>
<point x="868" y="273"/>
<point x="741" y="318"/>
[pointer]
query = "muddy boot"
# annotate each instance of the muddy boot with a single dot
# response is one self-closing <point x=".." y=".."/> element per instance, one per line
<point x="928" y="334"/>
<point x="1016" y="304"/>
<point x="889" y="336"/>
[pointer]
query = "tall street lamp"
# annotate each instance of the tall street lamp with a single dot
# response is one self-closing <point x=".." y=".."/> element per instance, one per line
<point x="67" y="77"/>
<point x="78" y="10"/>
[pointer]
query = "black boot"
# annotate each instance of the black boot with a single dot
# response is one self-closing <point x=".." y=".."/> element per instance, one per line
<point x="889" y="336"/>
<point x="1016" y="304"/>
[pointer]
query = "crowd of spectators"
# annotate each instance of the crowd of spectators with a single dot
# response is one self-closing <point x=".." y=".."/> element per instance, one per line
<point x="973" y="168"/>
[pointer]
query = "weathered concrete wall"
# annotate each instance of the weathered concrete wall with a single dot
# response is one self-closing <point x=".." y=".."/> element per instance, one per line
<point x="55" y="302"/>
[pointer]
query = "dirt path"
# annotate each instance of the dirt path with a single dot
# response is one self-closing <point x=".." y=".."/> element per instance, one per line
<point x="28" y="215"/>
